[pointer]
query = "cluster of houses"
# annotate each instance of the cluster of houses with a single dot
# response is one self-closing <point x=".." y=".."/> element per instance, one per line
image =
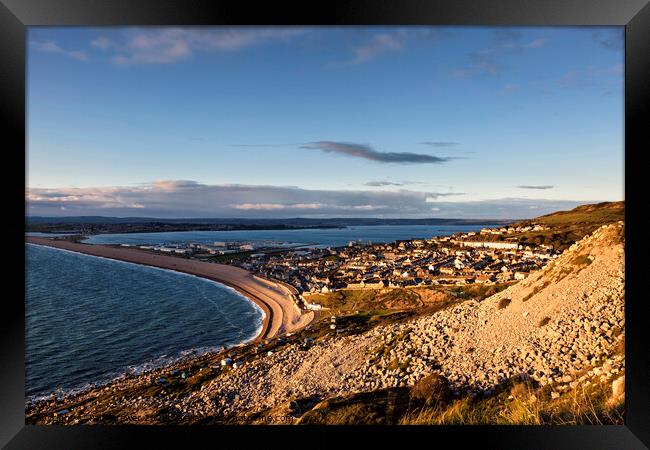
<point x="458" y="259"/>
<point x="198" y="250"/>
<point x="513" y="229"/>
<point x="485" y="257"/>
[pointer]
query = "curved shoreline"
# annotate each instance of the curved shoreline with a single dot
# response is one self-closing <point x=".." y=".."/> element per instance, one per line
<point x="222" y="285"/>
<point x="281" y="314"/>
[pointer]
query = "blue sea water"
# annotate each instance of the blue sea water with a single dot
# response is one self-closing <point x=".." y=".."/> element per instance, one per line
<point x="91" y="319"/>
<point x="334" y="237"/>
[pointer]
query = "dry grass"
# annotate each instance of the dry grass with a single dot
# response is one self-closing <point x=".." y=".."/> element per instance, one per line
<point x="523" y="404"/>
<point x="431" y="402"/>
<point x="581" y="260"/>
<point x="586" y="405"/>
<point x="570" y="226"/>
<point x="432" y="390"/>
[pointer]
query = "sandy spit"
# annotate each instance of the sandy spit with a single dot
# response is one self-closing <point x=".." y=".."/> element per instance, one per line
<point x="281" y="314"/>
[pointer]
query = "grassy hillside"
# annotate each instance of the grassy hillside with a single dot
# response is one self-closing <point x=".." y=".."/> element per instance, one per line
<point x="567" y="227"/>
<point x="587" y="215"/>
<point x="422" y="300"/>
<point x="430" y="402"/>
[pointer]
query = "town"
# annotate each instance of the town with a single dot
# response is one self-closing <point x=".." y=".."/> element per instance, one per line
<point x="484" y="257"/>
<point x="458" y="259"/>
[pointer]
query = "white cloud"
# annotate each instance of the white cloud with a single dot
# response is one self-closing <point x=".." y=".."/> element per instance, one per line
<point x="53" y="47"/>
<point x="170" y="45"/>
<point x="394" y="41"/>
<point x="102" y="43"/>
<point x="488" y="61"/>
<point x="378" y="45"/>
<point x="536" y="43"/>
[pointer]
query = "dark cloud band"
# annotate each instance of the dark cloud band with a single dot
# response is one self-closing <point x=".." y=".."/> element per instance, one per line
<point x="539" y="187"/>
<point x="382" y="183"/>
<point x="439" y="143"/>
<point x="367" y="152"/>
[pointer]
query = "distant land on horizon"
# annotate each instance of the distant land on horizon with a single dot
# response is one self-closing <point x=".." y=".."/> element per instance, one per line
<point x="100" y="224"/>
<point x="300" y="221"/>
<point x="293" y="220"/>
<point x="573" y="220"/>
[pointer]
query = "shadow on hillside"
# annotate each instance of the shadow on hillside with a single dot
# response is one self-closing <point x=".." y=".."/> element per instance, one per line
<point x="381" y="407"/>
<point x="392" y="405"/>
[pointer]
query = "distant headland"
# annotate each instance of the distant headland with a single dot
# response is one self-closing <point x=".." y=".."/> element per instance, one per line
<point x="101" y="224"/>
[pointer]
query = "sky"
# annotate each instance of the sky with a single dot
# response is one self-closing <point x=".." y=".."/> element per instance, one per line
<point x="399" y="122"/>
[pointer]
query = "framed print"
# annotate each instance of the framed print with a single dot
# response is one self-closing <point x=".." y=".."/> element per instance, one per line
<point x="364" y="219"/>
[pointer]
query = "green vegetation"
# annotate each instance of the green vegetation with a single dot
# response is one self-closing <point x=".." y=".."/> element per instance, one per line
<point x="567" y="227"/>
<point x="432" y="390"/>
<point x="230" y="257"/>
<point x="431" y="402"/>
<point x="597" y="214"/>
<point x="379" y="407"/>
<point x="536" y="290"/>
<point x="563" y="274"/>
<point x="476" y="292"/>
<point x="384" y="350"/>
<point x="581" y="261"/>
<point x="358" y="310"/>
<point x="349" y="323"/>
<point x="368" y="299"/>
<point x="520" y="403"/>
<point x="503" y="303"/>
<point x="420" y="299"/>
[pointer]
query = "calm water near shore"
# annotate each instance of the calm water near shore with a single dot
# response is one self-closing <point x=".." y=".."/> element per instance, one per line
<point x="334" y="237"/>
<point x="90" y="319"/>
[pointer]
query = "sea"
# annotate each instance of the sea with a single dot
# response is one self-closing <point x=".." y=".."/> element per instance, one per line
<point x="89" y="320"/>
<point x="317" y="237"/>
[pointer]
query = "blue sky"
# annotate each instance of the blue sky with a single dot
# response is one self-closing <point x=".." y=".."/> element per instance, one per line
<point x="288" y="121"/>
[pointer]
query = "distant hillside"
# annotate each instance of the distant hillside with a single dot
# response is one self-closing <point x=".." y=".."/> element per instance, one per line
<point x="99" y="224"/>
<point x="301" y="221"/>
<point x="567" y="227"/>
<point x="592" y="216"/>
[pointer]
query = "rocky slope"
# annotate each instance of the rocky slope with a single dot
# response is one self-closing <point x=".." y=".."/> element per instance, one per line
<point x="562" y="326"/>
<point x="559" y="326"/>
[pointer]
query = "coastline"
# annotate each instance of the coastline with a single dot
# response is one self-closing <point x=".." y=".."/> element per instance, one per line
<point x="280" y="313"/>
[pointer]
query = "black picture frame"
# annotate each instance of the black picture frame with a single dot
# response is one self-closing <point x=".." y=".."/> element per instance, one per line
<point x="16" y="15"/>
